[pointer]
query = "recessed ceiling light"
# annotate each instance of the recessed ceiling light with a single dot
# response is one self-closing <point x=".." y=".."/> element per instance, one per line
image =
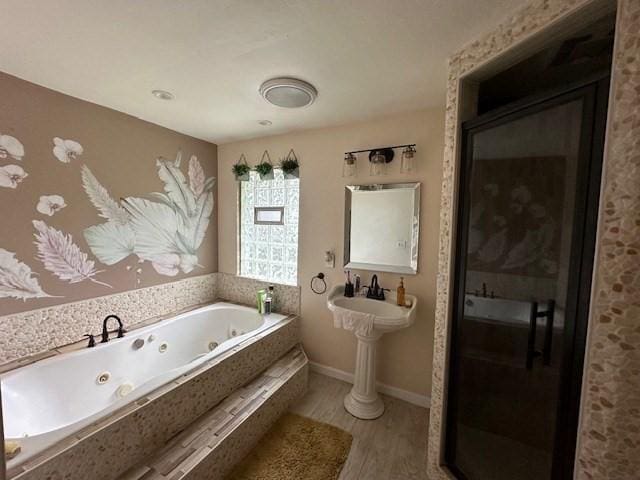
<point x="265" y="123"/>
<point x="162" y="94"/>
<point x="288" y="92"/>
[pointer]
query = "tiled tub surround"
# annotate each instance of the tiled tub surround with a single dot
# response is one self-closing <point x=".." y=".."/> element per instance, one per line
<point x="609" y="431"/>
<point x="36" y="334"/>
<point x="218" y="440"/>
<point x="108" y="447"/>
<point x="38" y="331"/>
<point x="47" y="401"/>
<point x="243" y="290"/>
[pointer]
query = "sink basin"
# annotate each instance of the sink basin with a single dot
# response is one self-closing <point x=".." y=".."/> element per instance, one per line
<point x="363" y="400"/>
<point x="388" y="316"/>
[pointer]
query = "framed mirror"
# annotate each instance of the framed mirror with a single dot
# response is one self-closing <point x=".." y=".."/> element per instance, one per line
<point x="381" y="227"/>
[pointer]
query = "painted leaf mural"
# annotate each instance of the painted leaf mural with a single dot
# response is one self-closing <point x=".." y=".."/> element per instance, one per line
<point x="155" y="226"/>
<point x="175" y="184"/>
<point x="196" y="176"/>
<point x="99" y="196"/>
<point x="110" y="242"/>
<point x="62" y="257"/>
<point x="17" y="280"/>
<point x="166" y="228"/>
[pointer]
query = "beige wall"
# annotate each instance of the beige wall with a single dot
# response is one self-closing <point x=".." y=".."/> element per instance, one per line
<point x="405" y="356"/>
<point x="121" y="152"/>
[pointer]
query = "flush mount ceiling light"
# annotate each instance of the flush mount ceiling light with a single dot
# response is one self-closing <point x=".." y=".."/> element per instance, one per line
<point x="288" y="92"/>
<point x="162" y="94"/>
<point x="265" y="123"/>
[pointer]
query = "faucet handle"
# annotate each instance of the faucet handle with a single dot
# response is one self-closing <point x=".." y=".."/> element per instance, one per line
<point x="92" y="340"/>
<point x="121" y="331"/>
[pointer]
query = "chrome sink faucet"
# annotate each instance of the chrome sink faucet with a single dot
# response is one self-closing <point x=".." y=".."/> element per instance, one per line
<point x="105" y="332"/>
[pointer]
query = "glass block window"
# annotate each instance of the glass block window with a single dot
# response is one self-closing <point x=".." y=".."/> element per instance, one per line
<point x="269" y="251"/>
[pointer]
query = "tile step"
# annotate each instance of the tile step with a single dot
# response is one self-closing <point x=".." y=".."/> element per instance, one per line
<point x="213" y="444"/>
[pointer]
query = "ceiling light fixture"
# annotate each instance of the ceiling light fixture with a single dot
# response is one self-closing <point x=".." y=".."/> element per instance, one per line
<point x="265" y="123"/>
<point x="162" y="94"/>
<point x="288" y="92"/>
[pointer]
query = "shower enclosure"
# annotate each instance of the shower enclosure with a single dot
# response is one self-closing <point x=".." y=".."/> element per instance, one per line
<point x="527" y="210"/>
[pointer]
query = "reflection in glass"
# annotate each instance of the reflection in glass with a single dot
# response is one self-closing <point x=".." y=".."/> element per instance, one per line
<point x="508" y="349"/>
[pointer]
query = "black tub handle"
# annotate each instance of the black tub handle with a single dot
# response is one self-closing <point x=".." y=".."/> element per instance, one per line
<point x="548" y="332"/>
<point x="534" y="314"/>
<point x="531" y="340"/>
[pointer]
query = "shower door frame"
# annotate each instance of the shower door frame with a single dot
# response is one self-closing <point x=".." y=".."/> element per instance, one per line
<point x="594" y="90"/>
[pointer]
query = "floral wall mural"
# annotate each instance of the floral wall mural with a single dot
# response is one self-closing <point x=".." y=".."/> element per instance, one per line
<point x="516" y="214"/>
<point x="91" y="206"/>
<point x="165" y="229"/>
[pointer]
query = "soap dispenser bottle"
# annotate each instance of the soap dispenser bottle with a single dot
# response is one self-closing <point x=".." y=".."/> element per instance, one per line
<point x="400" y="293"/>
<point x="268" y="301"/>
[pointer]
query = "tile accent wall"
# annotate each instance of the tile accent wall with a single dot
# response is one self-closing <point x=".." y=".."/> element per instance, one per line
<point x="609" y="433"/>
<point x="36" y="331"/>
<point x="243" y="290"/>
<point x="29" y="336"/>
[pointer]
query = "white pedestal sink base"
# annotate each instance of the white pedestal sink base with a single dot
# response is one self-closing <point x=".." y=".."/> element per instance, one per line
<point x="364" y="410"/>
<point x="354" y="314"/>
<point x="363" y="400"/>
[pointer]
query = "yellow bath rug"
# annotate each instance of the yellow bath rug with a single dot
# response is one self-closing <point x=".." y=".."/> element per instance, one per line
<point x="296" y="448"/>
<point x="11" y="449"/>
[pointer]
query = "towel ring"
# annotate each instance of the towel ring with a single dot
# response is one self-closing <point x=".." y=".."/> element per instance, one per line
<point x="318" y="284"/>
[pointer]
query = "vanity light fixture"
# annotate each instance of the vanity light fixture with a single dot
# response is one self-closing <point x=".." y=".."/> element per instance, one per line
<point x="349" y="167"/>
<point x="406" y="161"/>
<point x="379" y="158"/>
<point x="162" y="94"/>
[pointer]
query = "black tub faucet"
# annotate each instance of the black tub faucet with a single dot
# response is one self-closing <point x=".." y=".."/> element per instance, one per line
<point x="92" y="340"/>
<point x="105" y="332"/>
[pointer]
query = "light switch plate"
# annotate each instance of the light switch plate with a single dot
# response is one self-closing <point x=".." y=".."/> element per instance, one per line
<point x="329" y="259"/>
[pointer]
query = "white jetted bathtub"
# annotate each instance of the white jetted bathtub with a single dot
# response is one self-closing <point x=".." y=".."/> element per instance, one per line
<point x="53" y="398"/>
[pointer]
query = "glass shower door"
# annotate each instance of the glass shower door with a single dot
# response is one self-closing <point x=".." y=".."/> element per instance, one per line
<point x="525" y="198"/>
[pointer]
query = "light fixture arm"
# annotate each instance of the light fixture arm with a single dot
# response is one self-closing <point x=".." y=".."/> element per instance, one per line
<point x="381" y="148"/>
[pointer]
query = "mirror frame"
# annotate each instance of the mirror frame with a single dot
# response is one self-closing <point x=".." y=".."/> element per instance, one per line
<point x="415" y="241"/>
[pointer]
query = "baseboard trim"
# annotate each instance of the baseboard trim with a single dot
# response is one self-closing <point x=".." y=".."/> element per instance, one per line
<point x="411" y="397"/>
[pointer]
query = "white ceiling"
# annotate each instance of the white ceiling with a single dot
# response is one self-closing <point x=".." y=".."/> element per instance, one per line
<point x="365" y="57"/>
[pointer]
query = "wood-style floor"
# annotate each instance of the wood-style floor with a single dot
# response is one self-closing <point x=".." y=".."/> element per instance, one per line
<point x="392" y="447"/>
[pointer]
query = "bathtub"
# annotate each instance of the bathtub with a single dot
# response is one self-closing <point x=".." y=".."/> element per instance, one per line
<point x="505" y="312"/>
<point x="51" y="399"/>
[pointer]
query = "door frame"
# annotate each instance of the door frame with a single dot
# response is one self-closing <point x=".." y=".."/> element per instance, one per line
<point x="594" y="90"/>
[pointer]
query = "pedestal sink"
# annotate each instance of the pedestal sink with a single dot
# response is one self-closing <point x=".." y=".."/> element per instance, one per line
<point x="363" y="400"/>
